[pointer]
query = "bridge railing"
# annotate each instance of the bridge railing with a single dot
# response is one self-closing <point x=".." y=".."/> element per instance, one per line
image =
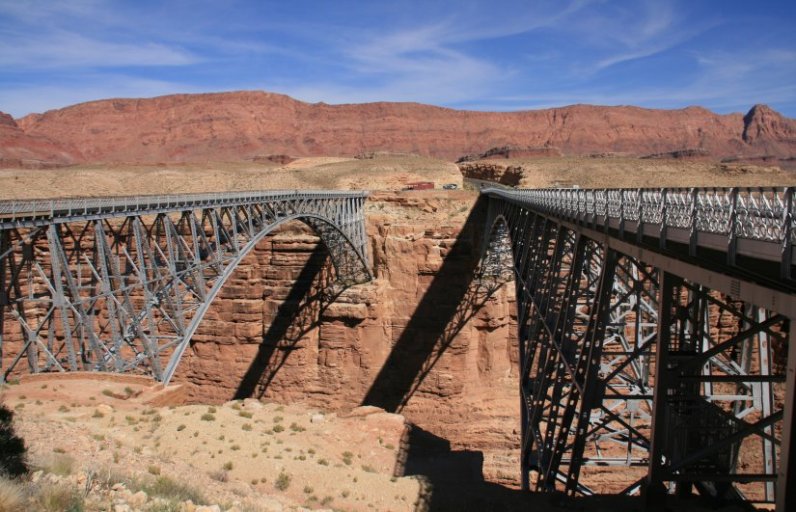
<point x="11" y="211"/>
<point x="681" y="214"/>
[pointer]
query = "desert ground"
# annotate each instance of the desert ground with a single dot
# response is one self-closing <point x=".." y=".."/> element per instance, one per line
<point x="379" y="173"/>
<point x="103" y="433"/>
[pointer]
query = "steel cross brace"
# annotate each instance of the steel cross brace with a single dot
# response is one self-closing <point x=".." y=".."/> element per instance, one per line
<point x="625" y="363"/>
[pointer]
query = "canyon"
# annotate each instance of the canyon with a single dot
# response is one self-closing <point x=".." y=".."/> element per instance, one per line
<point x="426" y="339"/>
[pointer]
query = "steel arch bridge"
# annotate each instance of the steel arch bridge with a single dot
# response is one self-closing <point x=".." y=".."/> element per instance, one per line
<point x="653" y="338"/>
<point x="121" y="284"/>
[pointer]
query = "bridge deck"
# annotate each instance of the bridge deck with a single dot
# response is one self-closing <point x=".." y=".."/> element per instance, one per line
<point x="716" y="224"/>
<point x="37" y="212"/>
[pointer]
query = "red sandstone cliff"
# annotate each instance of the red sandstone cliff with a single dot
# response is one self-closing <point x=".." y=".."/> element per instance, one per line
<point x="20" y="149"/>
<point x="244" y="125"/>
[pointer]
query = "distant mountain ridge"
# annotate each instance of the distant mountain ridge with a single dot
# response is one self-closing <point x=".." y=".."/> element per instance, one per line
<point x="246" y="125"/>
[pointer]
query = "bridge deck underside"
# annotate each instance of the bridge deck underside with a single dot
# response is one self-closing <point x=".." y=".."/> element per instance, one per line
<point x="640" y="369"/>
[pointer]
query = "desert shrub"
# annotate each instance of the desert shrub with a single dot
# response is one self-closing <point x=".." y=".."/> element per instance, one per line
<point x="228" y="466"/>
<point x="245" y="414"/>
<point x="12" y="498"/>
<point x="282" y="481"/>
<point x="219" y="475"/>
<point x="208" y="417"/>
<point x="59" y="498"/>
<point x="60" y="464"/>
<point x="168" y="489"/>
<point x="278" y="428"/>
<point x="13" y="453"/>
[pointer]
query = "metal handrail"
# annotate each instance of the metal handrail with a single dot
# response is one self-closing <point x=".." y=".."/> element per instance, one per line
<point x="39" y="208"/>
<point x="754" y="213"/>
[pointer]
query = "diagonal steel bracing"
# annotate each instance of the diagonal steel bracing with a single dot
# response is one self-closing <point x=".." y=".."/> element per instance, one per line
<point x="121" y="284"/>
<point x="653" y="336"/>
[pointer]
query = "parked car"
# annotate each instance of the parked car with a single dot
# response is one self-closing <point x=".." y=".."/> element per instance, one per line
<point x="450" y="186"/>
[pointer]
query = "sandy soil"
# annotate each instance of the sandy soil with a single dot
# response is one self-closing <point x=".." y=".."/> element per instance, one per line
<point x="380" y="173"/>
<point x="235" y="454"/>
<point x="231" y="453"/>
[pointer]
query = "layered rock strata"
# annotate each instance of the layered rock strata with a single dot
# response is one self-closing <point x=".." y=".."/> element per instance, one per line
<point x="252" y="124"/>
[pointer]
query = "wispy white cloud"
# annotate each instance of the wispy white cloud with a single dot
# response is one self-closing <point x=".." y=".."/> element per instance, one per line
<point x="503" y="54"/>
<point x="79" y="34"/>
<point x="429" y="62"/>
<point x="69" y="50"/>
<point x="724" y="81"/>
<point x="634" y="31"/>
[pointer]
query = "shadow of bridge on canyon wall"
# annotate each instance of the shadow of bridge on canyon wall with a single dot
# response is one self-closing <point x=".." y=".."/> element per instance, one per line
<point x="451" y="479"/>
<point x="313" y="290"/>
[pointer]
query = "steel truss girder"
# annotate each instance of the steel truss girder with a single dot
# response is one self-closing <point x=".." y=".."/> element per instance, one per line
<point x="625" y="364"/>
<point x="124" y="290"/>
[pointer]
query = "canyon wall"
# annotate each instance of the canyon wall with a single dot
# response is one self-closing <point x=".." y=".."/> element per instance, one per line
<point x="251" y="125"/>
<point x="423" y="338"/>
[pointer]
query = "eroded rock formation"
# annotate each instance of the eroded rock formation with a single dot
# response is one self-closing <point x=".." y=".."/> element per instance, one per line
<point x="246" y="125"/>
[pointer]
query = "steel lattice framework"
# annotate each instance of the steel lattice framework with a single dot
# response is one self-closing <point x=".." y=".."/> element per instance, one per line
<point x="653" y="338"/>
<point x="121" y="284"/>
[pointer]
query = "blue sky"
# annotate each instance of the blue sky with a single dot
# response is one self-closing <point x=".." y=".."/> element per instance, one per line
<point x="725" y="55"/>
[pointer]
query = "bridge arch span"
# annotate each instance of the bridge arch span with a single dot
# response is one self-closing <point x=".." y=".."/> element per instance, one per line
<point x="121" y="284"/>
<point x="350" y="267"/>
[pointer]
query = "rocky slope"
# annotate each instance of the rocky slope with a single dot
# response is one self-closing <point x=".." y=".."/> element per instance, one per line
<point x="251" y="125"/>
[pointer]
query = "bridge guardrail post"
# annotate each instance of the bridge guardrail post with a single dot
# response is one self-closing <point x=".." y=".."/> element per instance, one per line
<point x="732" y="240"/>
<point x="787" y="243"/>
<point x="693" y="195"/>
